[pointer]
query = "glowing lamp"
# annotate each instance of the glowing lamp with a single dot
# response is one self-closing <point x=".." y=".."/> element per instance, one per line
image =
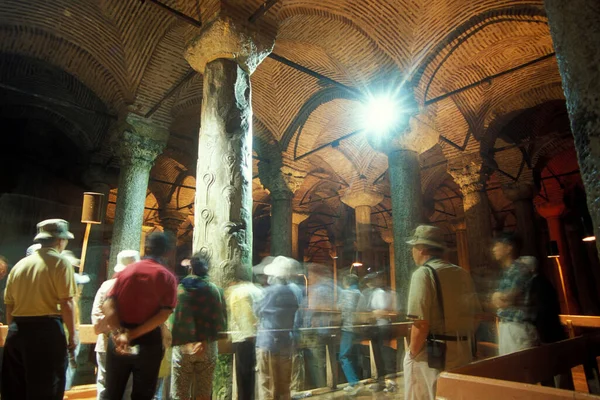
<point x="379" y="114"/>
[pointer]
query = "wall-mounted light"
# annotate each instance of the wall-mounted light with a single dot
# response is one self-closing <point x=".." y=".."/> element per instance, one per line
<point x="588" y="229"/>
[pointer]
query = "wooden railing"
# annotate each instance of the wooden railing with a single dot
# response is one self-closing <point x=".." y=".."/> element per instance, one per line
<point x="517" y="375"/>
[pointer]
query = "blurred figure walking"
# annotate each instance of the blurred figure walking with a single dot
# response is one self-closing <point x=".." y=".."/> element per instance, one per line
<point x="348" y="301"/>
<point x="276" y="313"/>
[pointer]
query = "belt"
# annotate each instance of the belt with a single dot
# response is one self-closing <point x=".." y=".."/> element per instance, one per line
<point x="38" y="318"/>
<point x="450" y="338"/>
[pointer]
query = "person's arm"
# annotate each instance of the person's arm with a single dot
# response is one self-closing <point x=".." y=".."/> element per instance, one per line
<point x="67" y="310"/>
<point x="9" y="310"/>
<point x="151" y="324"/>
<point x="111" y="317"/>
<point x="98" y="319"/>
<point x="418" y="336"/>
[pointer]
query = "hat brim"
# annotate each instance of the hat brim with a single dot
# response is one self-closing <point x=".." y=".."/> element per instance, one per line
<point x="425" y="242"/>
<point x="46" y="235"/>
<point x="81" y="279"/>
<point x="119" y="267"/>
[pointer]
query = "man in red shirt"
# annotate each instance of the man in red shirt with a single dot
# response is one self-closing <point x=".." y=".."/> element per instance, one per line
<point x="141" y="300"/>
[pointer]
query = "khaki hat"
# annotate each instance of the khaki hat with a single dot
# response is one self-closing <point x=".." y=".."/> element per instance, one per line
<point x="282" y="266"/>
<point x="429" y="236"/>
<point x="53" y="228"/>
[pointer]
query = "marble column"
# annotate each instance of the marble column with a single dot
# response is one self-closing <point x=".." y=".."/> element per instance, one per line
<point x="462" y="243"/>
<point x="471" y="176"/>
<point x="281" y="182"/>
<point x="387" y="236"/>
<point x="171" y="220"/>
<point x="522" y="197"/>
<point x="225" y="52"/>
<point x="575" y="31"/>
<point x="553" y="212"/>
<point x="297" y="219"/>
<point x="140" y="142"/>
<point x="403" y="149"/>
<point x="362" y="199"/>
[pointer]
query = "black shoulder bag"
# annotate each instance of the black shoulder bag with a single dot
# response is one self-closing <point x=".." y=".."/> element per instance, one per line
<point x="436" y="349"/>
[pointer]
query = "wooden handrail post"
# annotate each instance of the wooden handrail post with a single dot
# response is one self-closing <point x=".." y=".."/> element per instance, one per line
<point x="570" y="329"/>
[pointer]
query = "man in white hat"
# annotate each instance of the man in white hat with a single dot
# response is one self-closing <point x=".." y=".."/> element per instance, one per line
<point x="124" y="258"/>
<point x="443" y="304"/>
<point x="35" y="352"/>
<point x="276" y="313"/>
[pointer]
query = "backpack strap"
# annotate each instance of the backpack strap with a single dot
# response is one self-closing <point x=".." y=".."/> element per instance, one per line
<point x="438" y="288"/>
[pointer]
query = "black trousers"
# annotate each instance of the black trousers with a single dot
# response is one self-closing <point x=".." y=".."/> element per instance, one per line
<point x="35" y="359"/>
<point x="144" y="367"/>
<point x="245" y="363"/>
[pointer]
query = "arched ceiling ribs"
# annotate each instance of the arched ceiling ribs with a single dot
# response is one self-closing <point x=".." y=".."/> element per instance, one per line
<point x="107" y="84"/>
<point x="321" y="97"/>
<point x="307" y="197"/>
<point x="529" y="13"/>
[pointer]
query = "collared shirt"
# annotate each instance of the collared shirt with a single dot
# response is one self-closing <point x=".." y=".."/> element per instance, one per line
<point x="38" y="282"/>
<point x="142" y="290"/>
<point x="348" y="300"/>
<point x="200" y="313"/>
<point x="98" y="315"/>
<point x="241" y="319"/>
<point x="276" y="313"/>
<point x="516" y="281"/>
<point x="460" y="300"/>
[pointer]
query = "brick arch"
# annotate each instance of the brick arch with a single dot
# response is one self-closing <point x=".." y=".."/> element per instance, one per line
<point x="108" y="85"/>
<point x="459" y="35"/>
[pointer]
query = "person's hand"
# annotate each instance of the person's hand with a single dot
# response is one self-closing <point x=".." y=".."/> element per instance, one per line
<point x="497" y="299"/>
<point x="121" y="341"/>
<point x="73" y="341"/>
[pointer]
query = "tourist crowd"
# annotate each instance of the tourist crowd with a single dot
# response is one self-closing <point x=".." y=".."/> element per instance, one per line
<point x="158" y="334"/>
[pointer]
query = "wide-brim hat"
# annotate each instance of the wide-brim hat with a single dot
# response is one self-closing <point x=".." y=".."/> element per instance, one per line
<point x="126" y="257"/>
<point x="259" y="269"/>
<point x="53" y="228"/>
<point x="428" y="235"/>
<point x="282" y="266"/>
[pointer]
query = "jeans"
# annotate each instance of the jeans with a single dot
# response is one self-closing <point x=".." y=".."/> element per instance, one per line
<point x="144" y="367"/>
<point x="346" y="356"/>
<point x="35" y="359"/>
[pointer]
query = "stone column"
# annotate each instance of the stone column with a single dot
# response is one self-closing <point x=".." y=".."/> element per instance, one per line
<point x="140" y="142"/>
<point x="225" y="52"/>
<point x="362" y="199"/>
<point x="387" y="236"/>
<point x="297" y="219"/>
<point x="462" y="243"/>
<point x="522" y="197"/>
<point x="575" y="31"/>
<point x="403" y="149"/>
<point x="282" y="182"/>
<point x="470" y="175"/>
<point x="553" y="212"/>
<point x="171" y="219"/>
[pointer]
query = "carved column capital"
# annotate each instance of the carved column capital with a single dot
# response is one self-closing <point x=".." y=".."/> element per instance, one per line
<point x="469" y="172"/>
<point x="298" y="218"/>
<point x="138" y="140"/>
<point x="458" y="225"/>
<point x="280" y="180"/>
<point x="519" y="191"/>
<point x="387" y="235"/>
<point x="227" y="38"/>
<point x="360" y="193"/>
<point x="417" y="134"/>
<point x="171" y="220"/>
<point x="553" y="210"/>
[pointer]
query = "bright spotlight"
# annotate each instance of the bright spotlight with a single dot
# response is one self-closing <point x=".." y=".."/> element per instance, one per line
<point x="380" y="114"/>
<point x="589" y="238"/>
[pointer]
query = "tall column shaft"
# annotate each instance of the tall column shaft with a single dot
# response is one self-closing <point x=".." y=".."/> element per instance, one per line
<point x="479" y="236"/>
<point x="526" y="226"/>
<point x="297" y="219"/>
<point x="140" y="144"/>
<point x="281" y="225"/>
<point x="407" y="203"/>
<point x="223" y="219"/>
<point x="575" y="31"/>
<point x="363" y="228"/>
<point x="388" y="237"/>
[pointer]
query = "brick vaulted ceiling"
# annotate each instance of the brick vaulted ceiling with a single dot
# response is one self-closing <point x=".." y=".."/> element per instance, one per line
<point x="112" y="56"/>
